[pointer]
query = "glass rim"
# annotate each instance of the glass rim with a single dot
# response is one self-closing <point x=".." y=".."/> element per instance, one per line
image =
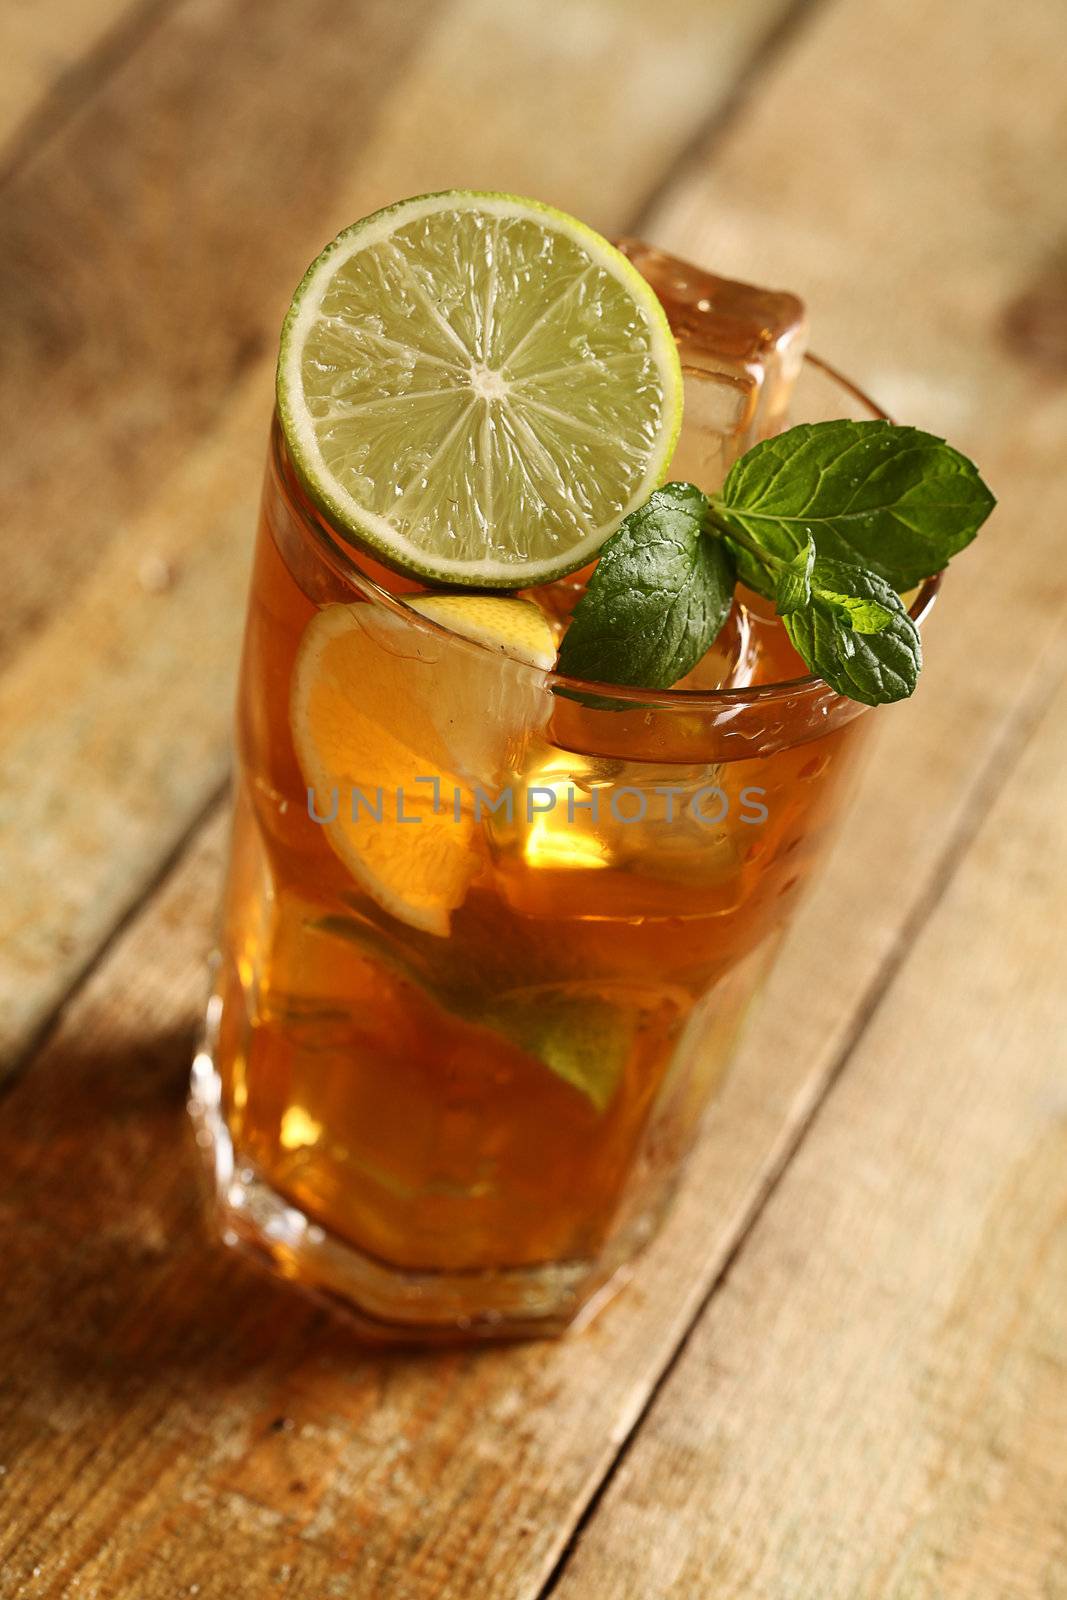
<point x="343" y="559"/>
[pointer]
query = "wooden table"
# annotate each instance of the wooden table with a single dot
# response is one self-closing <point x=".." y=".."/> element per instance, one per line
<point x="841" y="1373"/>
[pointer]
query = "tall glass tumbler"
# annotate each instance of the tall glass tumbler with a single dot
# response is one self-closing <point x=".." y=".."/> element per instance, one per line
<point x="482" y="968"/>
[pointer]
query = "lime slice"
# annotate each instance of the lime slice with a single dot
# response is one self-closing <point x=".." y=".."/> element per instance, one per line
<point x="588" y="1032"/>
<point x="394" y="727"/>
<point x="478" y="388"/>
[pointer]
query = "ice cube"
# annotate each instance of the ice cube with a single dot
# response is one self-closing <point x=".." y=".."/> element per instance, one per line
<point x="741" y="349"/>
<point x="603" y="837"/>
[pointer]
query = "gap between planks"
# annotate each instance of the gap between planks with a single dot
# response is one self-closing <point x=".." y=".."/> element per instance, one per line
<point x="79" y="82"/>
<point x="700" y="146"/>
<point x="169" y="863"/>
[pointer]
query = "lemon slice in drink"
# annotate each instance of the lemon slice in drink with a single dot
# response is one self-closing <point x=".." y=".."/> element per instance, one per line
<point x="478" y="388"/>
<point x="394" y="726"/>
<point x="514" y="627"/>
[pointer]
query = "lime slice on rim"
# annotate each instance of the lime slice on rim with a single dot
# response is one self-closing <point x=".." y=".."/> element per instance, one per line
<point x="478" y="388"/>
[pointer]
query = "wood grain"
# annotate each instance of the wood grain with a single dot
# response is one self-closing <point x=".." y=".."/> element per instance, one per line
<point x="171" y="1418"/>
<point x="911" y="222"/>
<point x="115" y="718"/>
<point x="875" y="1404"/>
<point x="53" y="52"/>
<point x="145" y="268"/>
<point x="172" y="1422"/>
<point x="146" y="1370"/>
<point x="145" y="265"/>
<point x="150" y="250"/>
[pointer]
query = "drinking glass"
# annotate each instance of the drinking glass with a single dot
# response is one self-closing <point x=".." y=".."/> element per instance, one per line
<point x="458" y="1045"/>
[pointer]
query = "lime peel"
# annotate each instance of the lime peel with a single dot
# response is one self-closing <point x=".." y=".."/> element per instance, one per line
<point x="478" y="388"/>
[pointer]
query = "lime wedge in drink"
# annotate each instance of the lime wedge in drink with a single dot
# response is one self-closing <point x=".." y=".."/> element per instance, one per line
<point x="478" y="388"/>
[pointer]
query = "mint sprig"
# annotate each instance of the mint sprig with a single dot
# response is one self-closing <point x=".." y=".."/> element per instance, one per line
<point x="829" y="520"/>
<point x="899" y="502"/>
<point x="659" y="594"/>
<point x="856" y="633"/>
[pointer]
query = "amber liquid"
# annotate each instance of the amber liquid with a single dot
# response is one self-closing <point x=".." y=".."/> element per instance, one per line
<point x="415" y="1095"/>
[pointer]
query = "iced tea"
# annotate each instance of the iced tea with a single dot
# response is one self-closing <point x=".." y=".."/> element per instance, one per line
<point x="466" y="1112"/>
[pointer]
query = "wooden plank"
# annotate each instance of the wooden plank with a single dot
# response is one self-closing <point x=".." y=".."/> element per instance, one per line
<point x="875" y="1403"/>
<point x="145" y="267"/>
<point x="152" y="247"/>
<point x="584" y="105"/>
<point x="146" y="1370"/>
<point x="151" y="319"/>
<point x="172" y="1418"/>
<point x="451" y="1475"/>
<point x="909" y="234"/>
<point x="115" y="718"/>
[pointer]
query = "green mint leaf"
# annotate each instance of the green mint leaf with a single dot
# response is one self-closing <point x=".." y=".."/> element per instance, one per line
<point x="872" y="663"/>
<point x="792" y="589"/>
<point x="864" y="616"/>
<point x="660" y="593"/>
<point x="863" y="612"/>
<point x="895" y="500"/>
